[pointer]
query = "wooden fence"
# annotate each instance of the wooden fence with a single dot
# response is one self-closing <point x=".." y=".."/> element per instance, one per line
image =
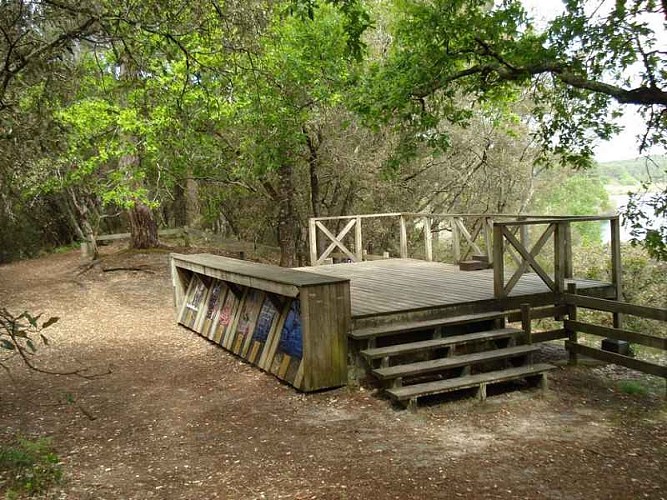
<point x="500" y="238"/>
<point x="573" y="326"/>
<point x="567" y="312"/>
<point x="242" y="248"/>
<point x="558" y="231"/>
<point x="471" y="234"/>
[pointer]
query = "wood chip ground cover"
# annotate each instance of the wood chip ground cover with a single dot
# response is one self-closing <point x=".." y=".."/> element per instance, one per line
<point x="178" y="417"/>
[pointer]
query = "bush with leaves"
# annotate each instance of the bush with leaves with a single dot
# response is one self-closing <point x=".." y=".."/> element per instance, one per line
<point x="20" y="335"/>
<point x="28" y="467"/>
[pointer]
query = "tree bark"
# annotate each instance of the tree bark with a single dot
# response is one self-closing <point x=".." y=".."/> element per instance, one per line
<point x="192" y="206"/>
<point x="86" y="228"/>
<point x="143" y="228"/>
<point x="287" y="221"/>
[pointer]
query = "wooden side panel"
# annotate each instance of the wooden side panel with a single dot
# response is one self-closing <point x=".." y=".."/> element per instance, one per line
<point x="301" y="340"/>
<point x="180" y="279"/>
<point x="216" y="297"/>
<point x="326" y="320"/>
<point x="267" y="320"/>
<point x="194" y="301"/>
<point x="230" y="331"/>
<point x="225" y="316"/>
<point x="246" y="321"/>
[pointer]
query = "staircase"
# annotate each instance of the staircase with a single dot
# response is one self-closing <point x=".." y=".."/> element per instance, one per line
<point x="461" y="352"/>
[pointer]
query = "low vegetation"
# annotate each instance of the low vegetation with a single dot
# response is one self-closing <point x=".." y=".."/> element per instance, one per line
<point x="28" y="467"/>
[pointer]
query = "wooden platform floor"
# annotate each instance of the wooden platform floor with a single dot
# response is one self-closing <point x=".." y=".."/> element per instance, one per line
<point x="391" y="286"/>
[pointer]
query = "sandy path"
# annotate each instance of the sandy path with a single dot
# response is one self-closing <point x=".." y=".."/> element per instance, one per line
<point x="178" y="417"/>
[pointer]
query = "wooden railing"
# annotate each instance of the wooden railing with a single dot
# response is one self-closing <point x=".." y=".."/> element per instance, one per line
<point x="506" y="241"/>
<point x="510" y="240"/>
<point x="568" y="312"/>
<point x="471" y="234"/>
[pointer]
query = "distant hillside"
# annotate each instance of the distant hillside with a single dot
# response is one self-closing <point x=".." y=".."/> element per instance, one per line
<point x="633" y="172"/>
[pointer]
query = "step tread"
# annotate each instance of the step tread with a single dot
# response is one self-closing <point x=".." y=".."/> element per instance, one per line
<point x="468" y="381"/>
<point x="425" y="345"/>
<point x="432" y="365"/>
<point x="391" y="329"/>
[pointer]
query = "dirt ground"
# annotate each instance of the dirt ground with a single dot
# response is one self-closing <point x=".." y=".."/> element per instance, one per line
<point x="178" y="417"/>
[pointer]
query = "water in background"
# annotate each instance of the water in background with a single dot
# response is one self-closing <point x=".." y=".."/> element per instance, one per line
<point x="619" y="201"/>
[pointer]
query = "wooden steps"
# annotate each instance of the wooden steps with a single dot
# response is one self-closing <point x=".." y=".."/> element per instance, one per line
<point x="412" y="392"/>
<point x="433" y="344"/>
<point x="450" y="360"/>
<point x="397" y="328"/>
<point x="435" y="365"/>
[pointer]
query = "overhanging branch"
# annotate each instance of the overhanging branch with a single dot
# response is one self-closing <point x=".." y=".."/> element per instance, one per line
<point x="642" y="96"/>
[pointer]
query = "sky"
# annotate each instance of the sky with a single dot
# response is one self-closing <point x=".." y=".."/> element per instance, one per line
<point x="625" y="145"/>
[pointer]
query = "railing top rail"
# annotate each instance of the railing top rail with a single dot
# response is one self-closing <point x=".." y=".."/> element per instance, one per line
<point x="555" y="219"/>
<point x="360" y="216"/>
<point x="518" y="219"/>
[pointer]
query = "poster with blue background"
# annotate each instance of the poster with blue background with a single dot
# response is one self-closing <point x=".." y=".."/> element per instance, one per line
<point x="290" y="338"/>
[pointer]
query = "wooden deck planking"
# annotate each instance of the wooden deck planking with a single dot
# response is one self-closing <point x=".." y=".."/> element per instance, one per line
<point x="397" y="285"/>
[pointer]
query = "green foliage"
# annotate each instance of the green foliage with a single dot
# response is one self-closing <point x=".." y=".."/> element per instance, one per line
<point x="21" y="334"/>
<point x="652" y="169"/>
<point x="574" y="194"/>
<point x="644" y="281"/>
<point x="302" y="69"/>
<point x="647" y="218"/>
<point x="28" y="467"/>
<point x="576" y="68"/>
<point x="633" y="387"/>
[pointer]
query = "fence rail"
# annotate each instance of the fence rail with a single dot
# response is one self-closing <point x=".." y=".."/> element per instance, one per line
<point x="471" y="234"/>
<point x="568" y="312"/>
<point x="503" y="239"/>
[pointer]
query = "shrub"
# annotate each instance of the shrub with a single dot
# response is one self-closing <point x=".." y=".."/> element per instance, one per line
<point x="28" y="467"/>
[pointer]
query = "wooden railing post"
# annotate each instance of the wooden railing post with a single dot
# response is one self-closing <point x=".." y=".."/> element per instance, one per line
<point x="403" y="251"/>
<point x="568" y="270"/>
<point x="524" y="238"/>
<point x="358" y="244"/>
<point x="572" y="316"/>
<point x="559" y="257"/>
<point x="428" y="239"/>
<point x="498" y="261"/>
<point x="312" y="236"/>
<point x="456" y="240"/>
<point x="488" y="238"/>
<point x="526" y="323"/>
<point x="616" y="266"/>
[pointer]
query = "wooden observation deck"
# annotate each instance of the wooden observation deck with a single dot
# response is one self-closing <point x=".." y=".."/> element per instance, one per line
<point x="427" y="325"/>
<point x="408" y="289"/>
<point x="419" y="324"/>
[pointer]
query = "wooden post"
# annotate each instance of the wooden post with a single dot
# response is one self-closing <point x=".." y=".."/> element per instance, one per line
<point x="179" y="281"/>
<point x="572" y="316"/>
<point x="358" y="244"/>
<point x="526" y="324"/>
<point x="312" y="236"/>
<point x="498" y="261"/>
<point x="616" y="266"/>
<point x="524" y="237"/>
<point x="428" y="239"/>
<point x="559" y="257"/>
<point x="404" y="238"/>
<point x="456" y="241"/>
<point x="568" y="270"/>
<point x="488" y="238"/>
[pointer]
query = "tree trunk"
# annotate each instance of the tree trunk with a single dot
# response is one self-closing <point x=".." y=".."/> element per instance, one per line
<point x="287" y="222"/>
<point x="192" y="206"/>
<point x="143" y="228"/>
<point x="85" y="228"/>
